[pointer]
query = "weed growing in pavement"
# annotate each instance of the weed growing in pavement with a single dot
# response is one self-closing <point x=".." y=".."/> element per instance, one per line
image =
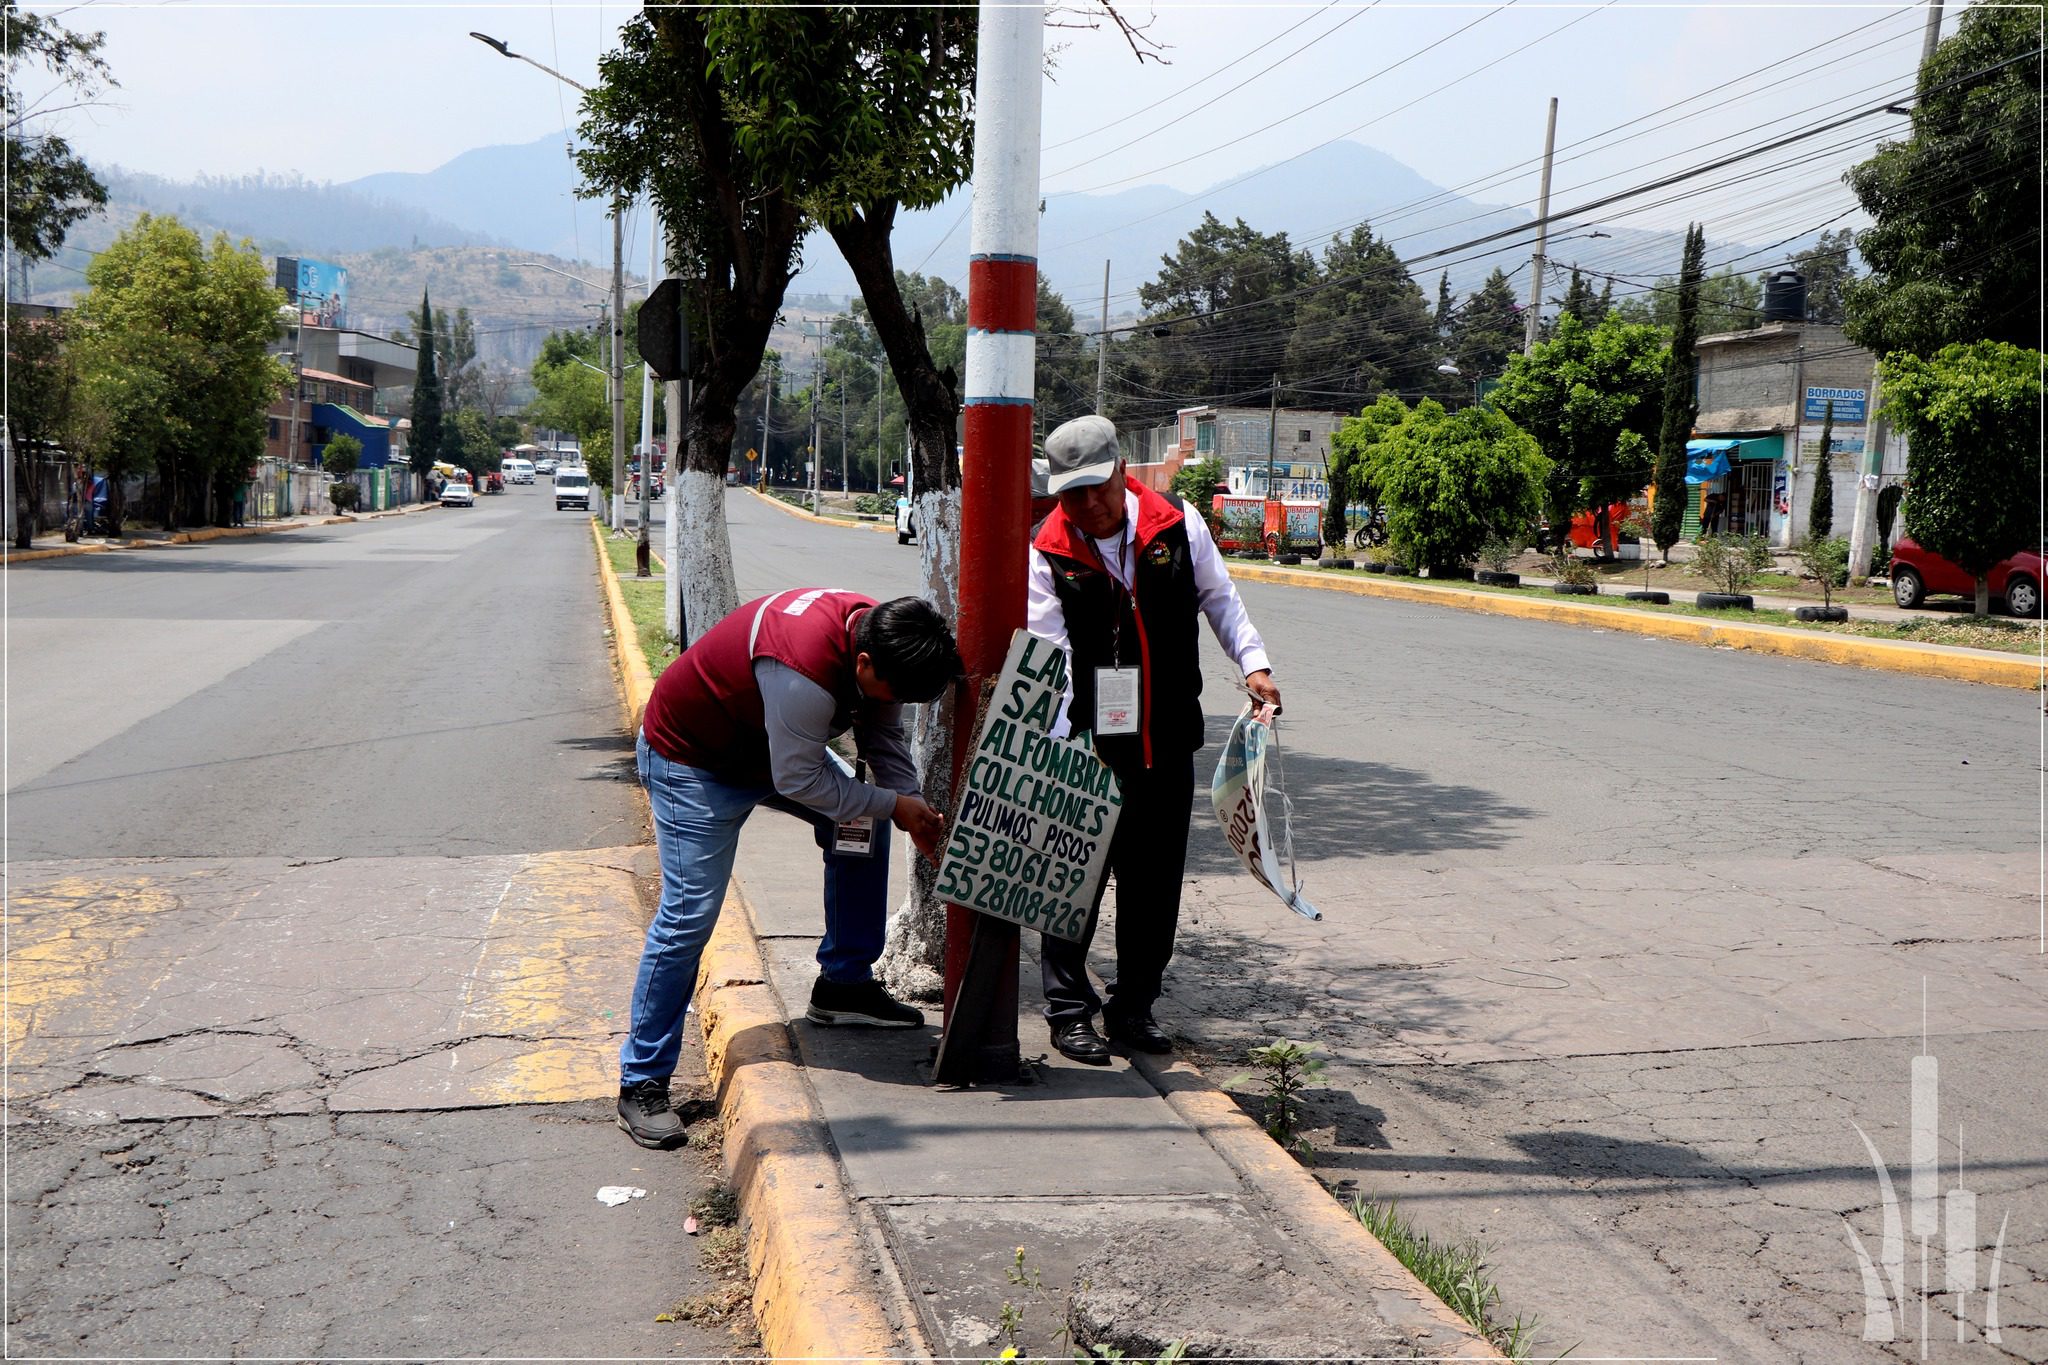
<point x="721" y="1254"/>
<point x="1454" y="1272"/>
<point x="1285" y="1069"/>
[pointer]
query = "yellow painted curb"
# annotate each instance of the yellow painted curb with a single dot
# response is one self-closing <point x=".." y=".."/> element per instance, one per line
<point x="1401" y="1300"/>
<point x="14" y="556"/>
<point x="814" y="1291"/>
<point x="887" y="528"/>
<point x="636" y="683"/>
<point x="1928" y="661"/>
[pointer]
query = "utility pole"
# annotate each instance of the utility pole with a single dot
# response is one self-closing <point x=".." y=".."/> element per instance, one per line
<point x="767" y="406"/>
<point x="845" y="484"/>
<point x="1535" y="318"/>
<point x="817" y="370"/>
<point x="1272" y="436"/>
<point x="619" y="376"/>
<point x="1102" y="344"/>
<point x="1931" y="39"/>
<point x="980" y="1040"/>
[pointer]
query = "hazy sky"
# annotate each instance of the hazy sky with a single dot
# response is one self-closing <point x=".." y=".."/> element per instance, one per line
<point x="338" y="90"/>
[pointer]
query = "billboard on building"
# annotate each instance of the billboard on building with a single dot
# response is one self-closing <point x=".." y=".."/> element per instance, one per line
<point x="319" y="288"/>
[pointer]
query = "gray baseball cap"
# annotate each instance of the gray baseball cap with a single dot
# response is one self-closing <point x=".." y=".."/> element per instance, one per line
<point x="1081" y="453"/>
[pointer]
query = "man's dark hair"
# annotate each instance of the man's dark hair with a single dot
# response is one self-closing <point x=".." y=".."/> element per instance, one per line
<point x="911" y="647"/>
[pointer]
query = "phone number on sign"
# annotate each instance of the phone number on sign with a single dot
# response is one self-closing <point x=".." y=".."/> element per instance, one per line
<point x="1001" y="878"/>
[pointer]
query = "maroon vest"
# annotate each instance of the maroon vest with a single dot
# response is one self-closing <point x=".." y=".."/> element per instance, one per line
<point x="706" y="708"/>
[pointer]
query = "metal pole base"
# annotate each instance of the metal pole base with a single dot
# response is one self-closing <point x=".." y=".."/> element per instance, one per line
<point x="973" y="1050"/>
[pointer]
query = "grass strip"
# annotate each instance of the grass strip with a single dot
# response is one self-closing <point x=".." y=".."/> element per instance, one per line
<point x="1988" y="632"/>
<point x="644" y="603"/>
<point x="1454" y="1271"/>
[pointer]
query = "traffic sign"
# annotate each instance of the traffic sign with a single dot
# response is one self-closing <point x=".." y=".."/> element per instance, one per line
<point x="663" y="333"/>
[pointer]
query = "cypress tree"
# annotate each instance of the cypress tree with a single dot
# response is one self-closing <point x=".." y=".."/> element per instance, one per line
<point x="1820" y="518"/>
<point x="1681" y="401"/>
<point x="426" y="396"/>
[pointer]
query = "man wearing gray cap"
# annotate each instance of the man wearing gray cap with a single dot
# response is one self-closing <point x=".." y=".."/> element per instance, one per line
<point x="1119" y="574"/>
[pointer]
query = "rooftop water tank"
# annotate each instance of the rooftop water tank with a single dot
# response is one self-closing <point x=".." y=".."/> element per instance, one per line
<point x="1785" y="297"/>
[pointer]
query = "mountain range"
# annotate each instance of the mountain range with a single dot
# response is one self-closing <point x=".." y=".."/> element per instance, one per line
<point x="469" y="221"/>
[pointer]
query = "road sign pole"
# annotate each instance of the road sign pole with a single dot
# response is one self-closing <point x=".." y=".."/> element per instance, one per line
<point x="995" y="485"/>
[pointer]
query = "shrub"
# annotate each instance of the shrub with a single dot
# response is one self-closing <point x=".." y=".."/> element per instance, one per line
<point x="1498" y="551"/>
<point x="1567" y="567"/>
<point x="342" y="456"/>
<point x="1731" y="563"/>
<point x="1826" y="561"/>
<point x="1196" y="483"/>
<point x="1450" y="479"/>
<point x="344" y="495"/>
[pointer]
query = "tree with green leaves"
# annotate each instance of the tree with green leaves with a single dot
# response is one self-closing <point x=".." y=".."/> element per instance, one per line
<point x="1487" y="330"/>
<point x="1224" y="285"/>
<point x="173" y="341"/>
<point x="1820" y="516"/>
<point x="1828" y="271"/>
<point x="340" y="458"/>
<point x="1064" y="375"/>
<point x="50" y="188"/>
<point x="1367" y="331"/>
<point x="1454" y="480"/>
<point x="1729" y="301"/>
<point x="1681" y="399"/>
<point x="1971" y="416"/>
<point x="1580" y="300"/>
<point x="426" y="394"/>
<point x="42" y="386"/>
<point x="1356" y="445"/>
<point x="1593" y="399"/>
<point x="1954" y="251"/>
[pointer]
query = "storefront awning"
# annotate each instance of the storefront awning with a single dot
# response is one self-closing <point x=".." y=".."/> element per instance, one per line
<point x="1707" y="460"/>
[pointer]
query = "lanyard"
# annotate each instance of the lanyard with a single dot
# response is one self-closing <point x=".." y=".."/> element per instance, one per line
<point x="1122" y="586"/>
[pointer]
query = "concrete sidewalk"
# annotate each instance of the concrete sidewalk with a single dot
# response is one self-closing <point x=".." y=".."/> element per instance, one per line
<point x="1134" y="1205"/>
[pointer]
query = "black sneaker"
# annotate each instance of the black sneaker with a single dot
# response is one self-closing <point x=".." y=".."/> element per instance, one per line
<point x="859" y="1002"/>
<point x="648" y="1116"/>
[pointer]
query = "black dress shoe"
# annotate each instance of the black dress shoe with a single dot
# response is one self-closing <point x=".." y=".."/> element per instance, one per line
<point x="1138" y="1032"/>
<point x="1078" y="1040"/>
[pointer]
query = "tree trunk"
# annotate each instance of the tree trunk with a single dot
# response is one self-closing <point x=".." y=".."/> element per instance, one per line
<point x="28" y="498"/>
<point x="703" y="560"/>
<point x="914" y="953"/>
<point x="1983" y="595"/>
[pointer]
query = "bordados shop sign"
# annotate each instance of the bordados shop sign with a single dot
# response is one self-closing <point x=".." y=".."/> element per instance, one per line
<point x="1031" y="826"/>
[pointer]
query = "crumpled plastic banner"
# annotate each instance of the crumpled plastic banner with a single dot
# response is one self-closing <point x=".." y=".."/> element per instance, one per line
<point x="1243" y="805"/>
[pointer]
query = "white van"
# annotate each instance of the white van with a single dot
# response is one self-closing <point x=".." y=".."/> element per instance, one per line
<point x="572" y="487"/>
<point x="518" y="470"/>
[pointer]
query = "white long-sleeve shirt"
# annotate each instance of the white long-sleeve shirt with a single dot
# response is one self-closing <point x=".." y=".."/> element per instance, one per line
<point x="1232" y="625"/>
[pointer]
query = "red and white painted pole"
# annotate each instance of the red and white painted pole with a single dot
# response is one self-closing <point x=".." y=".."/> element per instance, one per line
<point x="995" y="482"/>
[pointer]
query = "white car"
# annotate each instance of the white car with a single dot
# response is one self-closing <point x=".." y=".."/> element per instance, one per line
<point x="544" y="466"/>
<point x="456" y="493"/>
<point x="518" y="471"/>
<point x="572" y="487"/>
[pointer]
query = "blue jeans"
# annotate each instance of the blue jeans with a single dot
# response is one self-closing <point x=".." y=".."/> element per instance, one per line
<point x="697" y="821"/>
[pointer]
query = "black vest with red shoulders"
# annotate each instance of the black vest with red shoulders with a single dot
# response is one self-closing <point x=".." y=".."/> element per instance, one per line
<point x="1155" y="627"/>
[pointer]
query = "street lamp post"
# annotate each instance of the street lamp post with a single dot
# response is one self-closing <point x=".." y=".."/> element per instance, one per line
<point x="618" y="292"/>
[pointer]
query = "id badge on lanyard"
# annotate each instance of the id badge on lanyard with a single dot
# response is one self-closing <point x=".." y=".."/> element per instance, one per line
<point x="855" y="837"/>
<point x="1117" y="687"/>
<point x="1116" y="701"/>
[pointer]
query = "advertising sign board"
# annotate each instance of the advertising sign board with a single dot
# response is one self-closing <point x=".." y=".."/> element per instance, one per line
<point x="1030" y="833"/>
<point x="1849" y="403"/>
<point x="323" y="294"/>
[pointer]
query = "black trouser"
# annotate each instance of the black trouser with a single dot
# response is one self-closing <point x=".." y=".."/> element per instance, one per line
<point x="1147" y="854"/>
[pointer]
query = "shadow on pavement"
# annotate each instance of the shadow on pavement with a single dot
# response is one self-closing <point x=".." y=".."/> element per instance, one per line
<point x="1348" y="808"/>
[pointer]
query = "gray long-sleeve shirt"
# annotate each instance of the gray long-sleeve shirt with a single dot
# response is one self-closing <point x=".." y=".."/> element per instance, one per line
<point x="798" y="715"/>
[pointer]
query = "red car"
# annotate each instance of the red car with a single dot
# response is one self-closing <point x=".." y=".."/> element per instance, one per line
<point x="2016" y="582"/>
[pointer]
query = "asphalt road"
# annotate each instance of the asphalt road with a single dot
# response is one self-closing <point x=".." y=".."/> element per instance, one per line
<point x="1625" y="941"/>
<point x="326" y="884"/>
<point x="422" y="684"/>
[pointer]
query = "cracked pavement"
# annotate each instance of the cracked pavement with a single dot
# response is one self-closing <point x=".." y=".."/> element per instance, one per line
<point x="316" y="979"/>
<point x="1624" y="941"/>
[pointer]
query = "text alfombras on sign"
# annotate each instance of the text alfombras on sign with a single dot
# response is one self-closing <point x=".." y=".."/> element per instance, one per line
<point x="1031" y="831"/>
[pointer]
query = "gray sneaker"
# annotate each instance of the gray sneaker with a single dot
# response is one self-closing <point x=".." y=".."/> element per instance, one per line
<point x="859" y="1002"/>
<point x="648" y="1116"/>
